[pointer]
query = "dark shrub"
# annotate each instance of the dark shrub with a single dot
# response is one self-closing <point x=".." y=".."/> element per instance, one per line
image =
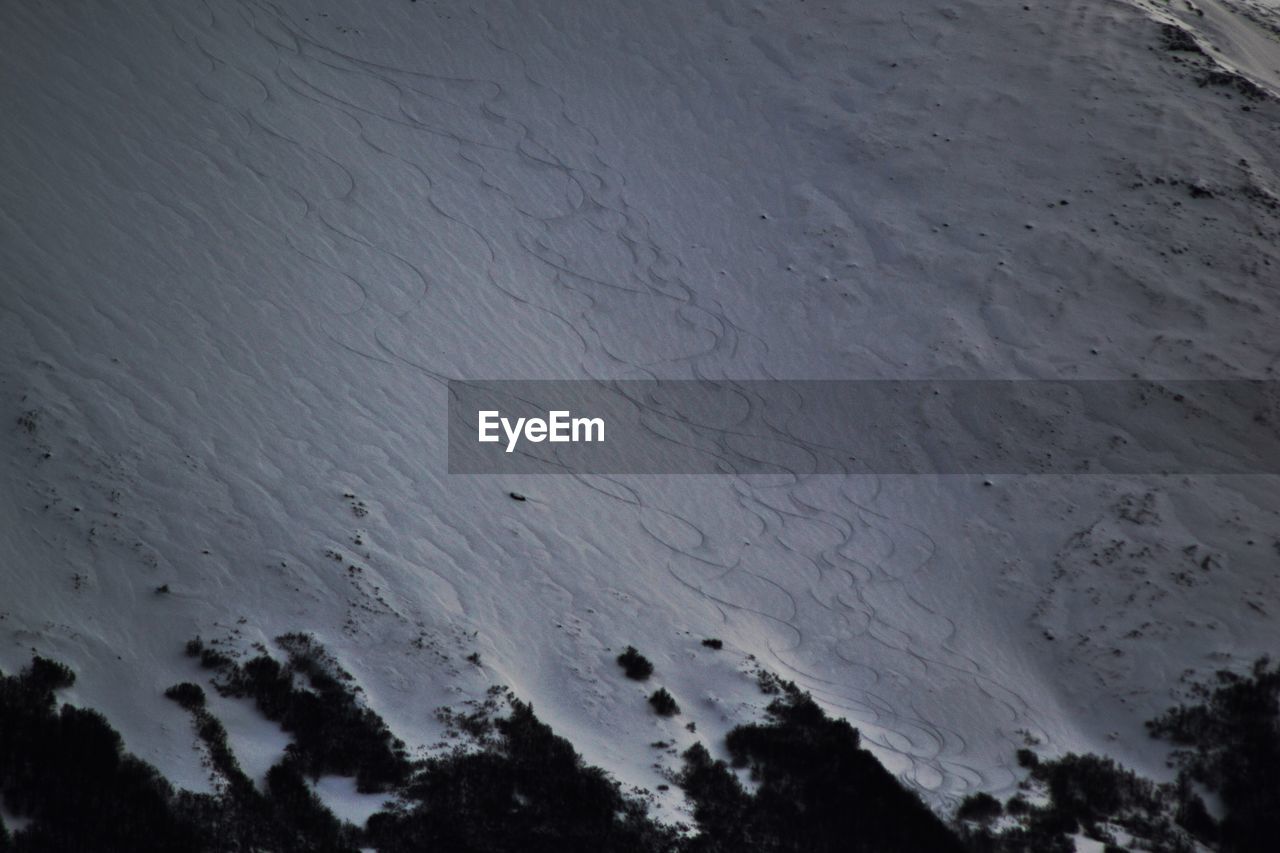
<point x="1177" y="39"/>
<point x="332" y="732"/>
<point x="189" y="696"/>
<point x="635" y="665"/>
<point x="65" y="770"/>
<point x="214" y="659"/>
<point x="980" y="807"/>
<point x="1017" y="805"/>
<point x="818" y="791"/>
<point x="1231" y="744"/>
<point x="1085" y="794"/>
<point x="713" y="643"/>
<point x="527" y="790"/>
<point x="515" y="786"/>
<point x="46" y="675"/>
<point x="287" y="817"/>
<point x="721" y="804"/>
<point x="1089" y="788"/>
<point x="1193" y="816"/>
<point x="664" y="704"/>
<point x="293" y="804"/>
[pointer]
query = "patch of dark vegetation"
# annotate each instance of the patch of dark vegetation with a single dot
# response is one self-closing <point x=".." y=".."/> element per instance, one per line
<point x="664" y="704"/>
<point x="818" y="790"/>
<point x="1229" y="742"/>
<point x="212" y="733"/>
<point x="980" y="807"/>
<point x="1088" y="791"/>
<point x="1186" y="50"/>
<point x="286" y="816"/>
<point x="635" y="665"/>
<point x="713" y="643"/>
<point x="1177" y="39"/>
<point x="1086" y="794"/>
<point x="187" y="695"/>
<point x="332" y="731"/>
<point x="1260" y="196"/>
<point x="65" y="771"/>
<point x="209" y="658"/>
<point x="511" y="785"/>
<point x="214" y="659"/>
<point x="772" y="685"/>
<point x="1230" y="79"/>
<point x="29" y="421"/>
<point x="302" y="821"/>
<point x="476" y="723"/>
<point x="526" y="790"/>
<point x="1017" y="805"/>
<point x="45" y="676"/>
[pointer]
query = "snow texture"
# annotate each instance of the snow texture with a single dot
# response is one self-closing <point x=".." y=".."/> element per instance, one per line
<point x="244" y="244"/>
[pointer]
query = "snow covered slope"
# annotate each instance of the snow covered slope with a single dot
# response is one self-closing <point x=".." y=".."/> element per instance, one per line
<point x="243" y="244"/>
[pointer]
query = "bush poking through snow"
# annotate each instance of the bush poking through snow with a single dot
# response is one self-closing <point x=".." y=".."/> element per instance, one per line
<point x="1230" y="743"/>
<point x="47" y="675"/>
<point x="1086" y="794"/>
<point x="635" y="665"/>
<point x="209" y="658"/>
<point x="526" y="790"/>
<point x="189" y="696"/>
<point x="514" y="786"/>
<point x="664" y="704"/>
<point x="287" y="816"/>
<point x="332" y="732"/>
<point x="980" y="808"/>
<point x="1179" y="40"/>
<point x="65" y="771"/>
<point x="817" y="790"/>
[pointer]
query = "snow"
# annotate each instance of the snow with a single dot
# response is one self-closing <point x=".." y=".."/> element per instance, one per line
<point x="257" y="743"/>
<point x="1241" y="35"/>
<point x="245" y="244"/>
<point x="340" y="795"/>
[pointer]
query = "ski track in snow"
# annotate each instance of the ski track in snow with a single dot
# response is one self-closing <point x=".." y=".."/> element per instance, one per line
<point x="251" y="241"/>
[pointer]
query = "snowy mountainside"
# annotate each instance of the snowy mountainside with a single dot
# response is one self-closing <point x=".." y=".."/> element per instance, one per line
<point x="245" y="243"/>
